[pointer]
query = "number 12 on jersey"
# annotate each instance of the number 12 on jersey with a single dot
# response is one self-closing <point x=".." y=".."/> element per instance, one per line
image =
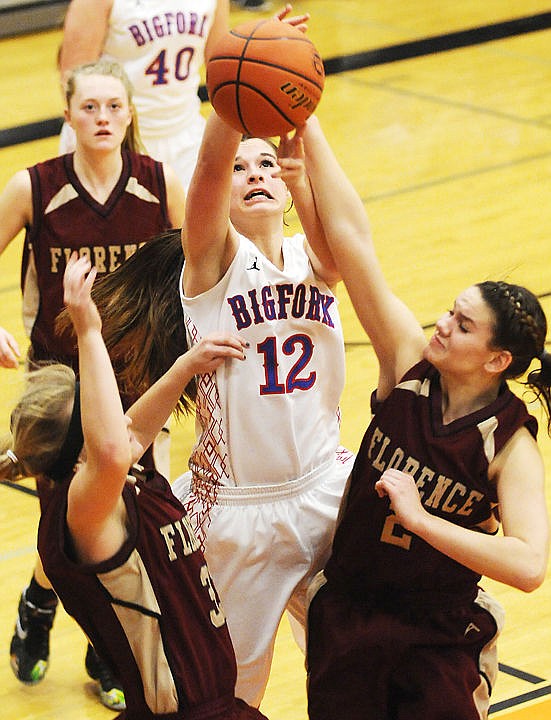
<point x="298" y="377"/>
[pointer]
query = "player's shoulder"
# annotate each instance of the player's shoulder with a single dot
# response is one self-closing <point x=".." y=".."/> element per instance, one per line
<point x="19" y="180"/>
<point x="18" y="187"/>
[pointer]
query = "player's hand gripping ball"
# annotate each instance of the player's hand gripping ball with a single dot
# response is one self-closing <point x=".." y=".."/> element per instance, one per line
<point x="265" y="78"/>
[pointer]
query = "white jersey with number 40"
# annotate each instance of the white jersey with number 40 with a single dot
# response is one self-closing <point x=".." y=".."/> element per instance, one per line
<point x="161" y="45"/>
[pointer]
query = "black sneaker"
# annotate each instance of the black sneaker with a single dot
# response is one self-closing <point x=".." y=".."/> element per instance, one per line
<point x="30" y="644"/>
<point x="110" y="690"/>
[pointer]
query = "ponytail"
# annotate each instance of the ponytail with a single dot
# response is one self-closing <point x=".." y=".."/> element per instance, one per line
<point x="539" y="381"/>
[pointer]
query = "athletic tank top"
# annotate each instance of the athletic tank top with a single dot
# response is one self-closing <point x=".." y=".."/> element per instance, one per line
<point x="274" y="416"/>
<point x="372" y="553"/>
<point x="66" y="218"/>
<point x="162" y="48"/>
<point x="151" y="611"/>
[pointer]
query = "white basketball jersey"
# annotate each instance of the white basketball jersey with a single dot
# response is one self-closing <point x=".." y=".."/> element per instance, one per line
<point x="273" y="417"/>
<point x="162" y="46"/>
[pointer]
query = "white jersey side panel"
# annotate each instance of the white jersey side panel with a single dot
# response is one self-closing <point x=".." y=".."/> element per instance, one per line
<point x="161" y="45"/>
<point x="273" y="417"/>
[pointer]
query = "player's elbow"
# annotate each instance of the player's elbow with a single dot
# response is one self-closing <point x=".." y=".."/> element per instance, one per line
<point x="533" y="583"/>
<point x="529" y="585"/>
<point x="114" y="458"/>
<point x="532" y="576"/>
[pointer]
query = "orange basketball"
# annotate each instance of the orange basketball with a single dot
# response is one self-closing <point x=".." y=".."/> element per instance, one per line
<point x="264" y="78"/>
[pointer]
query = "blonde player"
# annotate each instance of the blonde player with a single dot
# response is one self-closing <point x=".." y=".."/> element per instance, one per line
<point x="162" y="46"/>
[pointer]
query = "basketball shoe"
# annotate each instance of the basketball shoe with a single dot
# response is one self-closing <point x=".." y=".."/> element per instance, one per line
<point x="30" y="644"/>
<point x="110" y="691"/>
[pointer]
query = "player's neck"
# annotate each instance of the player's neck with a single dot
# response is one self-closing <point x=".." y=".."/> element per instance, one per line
<point x="98" y="173"/>
<point x="270" y="247"/>
<point x="267" y="235"/>
<point x="460" y="399"/>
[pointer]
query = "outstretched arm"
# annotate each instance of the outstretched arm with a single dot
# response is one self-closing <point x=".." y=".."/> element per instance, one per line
<point x="175" y="197"/>
<point x="208" y="239"/>
<point x="293" y="172"/>
<point x="113" y="441"/>
<point x="150" y="412"/>
<point x="95" y="511"/>
<point x="396" y="335"/>
<point x="220" y="25"/>
<point x="84" y="32"/>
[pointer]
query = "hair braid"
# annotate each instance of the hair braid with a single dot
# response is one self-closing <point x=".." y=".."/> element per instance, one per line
<point x="512" y="293"/>
<point x="521" y="327"/>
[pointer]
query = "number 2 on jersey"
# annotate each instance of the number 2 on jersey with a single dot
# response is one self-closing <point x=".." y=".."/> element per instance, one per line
<point x="394" y="534"/>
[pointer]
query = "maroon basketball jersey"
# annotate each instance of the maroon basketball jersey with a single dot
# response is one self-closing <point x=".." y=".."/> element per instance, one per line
<point x="372" y="554"/>
<point x="66" y="218"/>
<point x="151" y="611"/>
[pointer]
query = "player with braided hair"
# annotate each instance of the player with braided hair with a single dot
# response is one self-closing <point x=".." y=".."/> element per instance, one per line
<point x="521" y="327"/>
<point x="398" y="624"/>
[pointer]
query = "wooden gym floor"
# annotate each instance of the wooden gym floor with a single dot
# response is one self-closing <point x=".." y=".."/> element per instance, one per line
<point x="440" y="113"/>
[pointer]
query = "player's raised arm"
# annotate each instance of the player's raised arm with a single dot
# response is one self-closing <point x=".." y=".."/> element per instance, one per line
<point x="292" y="170"/>
<point x="84" y="31"/>
<point x="206" y="237"/>
<point x="397" y="337"/>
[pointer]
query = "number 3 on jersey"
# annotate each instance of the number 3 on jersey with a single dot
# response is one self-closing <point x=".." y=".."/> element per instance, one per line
<point x="217" y="616"/>
<point x="161" y="70"/>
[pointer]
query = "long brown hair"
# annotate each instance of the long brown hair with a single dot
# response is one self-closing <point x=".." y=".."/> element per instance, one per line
<point x="143" y="323"/>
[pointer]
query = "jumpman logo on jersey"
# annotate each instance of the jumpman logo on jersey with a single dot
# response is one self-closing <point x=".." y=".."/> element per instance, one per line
<point x="471" y="626"/>
<point x="254" y="266"/>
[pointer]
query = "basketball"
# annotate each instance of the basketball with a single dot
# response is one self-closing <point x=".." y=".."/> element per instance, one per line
<point x="265" y="78"/>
